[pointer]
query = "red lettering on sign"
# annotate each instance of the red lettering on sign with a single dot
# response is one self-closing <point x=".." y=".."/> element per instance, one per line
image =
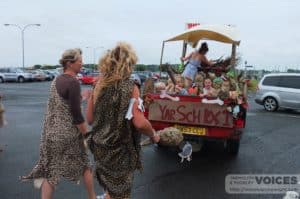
<point x="193" y="113"/>
<point x="227" y="118"/>
<point x="211" y="117"/>
<point x="182" y="118"/>
<point x="162" y="111"/>
<point x="196" y="116"/>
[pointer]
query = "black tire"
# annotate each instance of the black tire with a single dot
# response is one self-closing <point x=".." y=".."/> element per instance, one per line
<point x="21" y="79"/>
<point x="270" y="104"/>
<point x="232" y="147"/>
<point x="1" y="80"/>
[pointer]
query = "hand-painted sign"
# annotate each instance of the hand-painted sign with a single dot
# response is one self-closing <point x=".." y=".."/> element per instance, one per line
<point x="194" y="113"/>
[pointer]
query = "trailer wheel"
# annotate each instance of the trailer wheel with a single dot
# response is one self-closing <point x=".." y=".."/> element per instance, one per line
<point x="232" y="146"/>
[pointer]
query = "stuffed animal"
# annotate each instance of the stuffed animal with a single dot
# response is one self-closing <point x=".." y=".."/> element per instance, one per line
<point x="217" y="84"/>
<point x="193" y="90"/>
<point x="199" y="79"/>
<point x="180" y="87"/>
<point x="170" y="88"/>
<point x="186" y="152"/>
<point x="168" y="137"/>
<point x="208" y="90"/>
<point x="159" y="86"/>
<point x="211" y="76"/>
<point x="224" y="91"/>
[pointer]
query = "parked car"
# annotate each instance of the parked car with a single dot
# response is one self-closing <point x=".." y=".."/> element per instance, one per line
<point x="136" y="78"/>
<point x="54" y="72"/>
<point x="279" y="90"/>
<point x="1" y="77"/>
<point x="87" y="79"/>
<point x="143" y="75"/>
<point x="38" y="75"/>
<point x="49" y="75"/>
<point x="15" y="74"/>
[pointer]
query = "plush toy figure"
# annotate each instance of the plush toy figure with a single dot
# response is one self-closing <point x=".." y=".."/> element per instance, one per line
<point x="186" y="152"/>
<point x="159" y="86"/>
<point x="170" y="88"/>
<point x="208" y="90"/>
<point x="168" y="137"/>
<point x="199" y="79"/>
<point x="193" y="90"/>
<point x="211" y="76"/>
<point x="217" y="84"/>
<point x="180" y="87"/>
<point x="236" y="105"/>
<point x="224" y="91"/>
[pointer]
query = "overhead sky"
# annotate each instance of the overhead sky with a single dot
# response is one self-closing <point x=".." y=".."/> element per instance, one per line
<point x="269" y="29"/>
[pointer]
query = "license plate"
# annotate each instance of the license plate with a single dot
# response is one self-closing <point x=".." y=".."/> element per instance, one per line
<point x="191" y="130"/>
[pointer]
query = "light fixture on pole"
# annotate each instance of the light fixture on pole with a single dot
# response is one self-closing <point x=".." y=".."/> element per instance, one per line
<point x="22" y="29"/>
<point x="245" y="70"/>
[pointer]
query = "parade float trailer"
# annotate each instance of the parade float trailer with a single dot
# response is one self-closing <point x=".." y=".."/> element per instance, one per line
<point x="197" y="118"/>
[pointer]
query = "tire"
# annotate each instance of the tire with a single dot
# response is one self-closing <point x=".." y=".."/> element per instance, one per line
<point x="232" y="147"/>
<point x="270" y="104"/>
<point x="1" y="80"/>
<point x="21" y="79"/>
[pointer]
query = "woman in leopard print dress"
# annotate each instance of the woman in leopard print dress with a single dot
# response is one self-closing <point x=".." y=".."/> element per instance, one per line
<point x="62" y="152"/>
<point x="115" y="111"/>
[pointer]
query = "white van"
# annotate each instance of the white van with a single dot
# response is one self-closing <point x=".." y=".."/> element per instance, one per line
<point x="279" y="90"/>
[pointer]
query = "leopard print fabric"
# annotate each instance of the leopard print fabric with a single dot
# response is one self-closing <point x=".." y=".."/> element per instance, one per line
<point x="116" y="147"/>
<point x="62" y="153"/>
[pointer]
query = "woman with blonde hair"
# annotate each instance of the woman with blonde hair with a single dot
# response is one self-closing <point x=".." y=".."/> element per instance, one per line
<point x="116" y="114"/>
<point x="62" y="152"/>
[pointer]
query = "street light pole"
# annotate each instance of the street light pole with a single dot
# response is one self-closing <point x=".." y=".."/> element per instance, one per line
<point x="94" y="54"/>
<point x="22" y="29"/>
<point x="245" y="71"/>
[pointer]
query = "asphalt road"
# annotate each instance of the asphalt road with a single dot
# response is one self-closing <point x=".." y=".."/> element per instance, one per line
<point x="270" y="145"/>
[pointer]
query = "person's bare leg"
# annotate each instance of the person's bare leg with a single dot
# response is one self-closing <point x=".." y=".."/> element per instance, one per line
<point x="47" y="190"/>
<point x="187" y="83"/>
<point x="89" y="183"/>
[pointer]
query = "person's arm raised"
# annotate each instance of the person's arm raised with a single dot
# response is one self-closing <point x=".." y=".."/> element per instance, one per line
<point x="186" y="58"/>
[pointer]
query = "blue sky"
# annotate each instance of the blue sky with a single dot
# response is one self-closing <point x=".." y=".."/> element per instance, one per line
<point x="269" y="29"/>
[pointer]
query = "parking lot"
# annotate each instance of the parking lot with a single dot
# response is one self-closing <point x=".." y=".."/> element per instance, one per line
<point x="270" y="145"/>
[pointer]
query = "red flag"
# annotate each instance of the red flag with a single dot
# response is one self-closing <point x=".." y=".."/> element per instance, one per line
<point x="191" y="25"/>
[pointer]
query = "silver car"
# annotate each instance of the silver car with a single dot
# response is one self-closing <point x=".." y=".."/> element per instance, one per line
<point x="15" y="74"/>
<point x="279" y="90"/>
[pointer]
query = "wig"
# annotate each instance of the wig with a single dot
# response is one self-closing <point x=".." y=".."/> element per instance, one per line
<point x="116" y="65"/>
